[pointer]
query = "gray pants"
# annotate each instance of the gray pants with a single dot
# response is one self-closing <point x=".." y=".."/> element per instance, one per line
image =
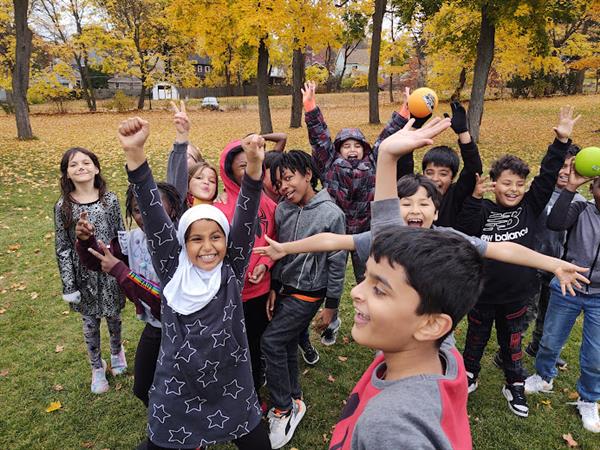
<point x="279" y="345"/>
<point x="91" y="335"/>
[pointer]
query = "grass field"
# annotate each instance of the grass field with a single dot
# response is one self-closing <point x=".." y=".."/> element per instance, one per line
<point x="42" y="355"/>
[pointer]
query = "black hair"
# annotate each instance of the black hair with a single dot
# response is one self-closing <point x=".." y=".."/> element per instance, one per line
<point x="572" y="150"/>
<point x="294" y="161"/>
<point x="409" y="184"/>
<point x="444" y="268"/>
<point x="270" y="157"/>
<point x="67" y="186"/>
<point x="443" y="156"/>
<point x="509" y="162"/>
<point x="166" y="189"/>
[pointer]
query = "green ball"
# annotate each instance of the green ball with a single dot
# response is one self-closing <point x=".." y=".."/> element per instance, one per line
<point x="587" y="162"/>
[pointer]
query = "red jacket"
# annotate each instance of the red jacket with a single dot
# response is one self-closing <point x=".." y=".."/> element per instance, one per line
<point x="266" y="224"/>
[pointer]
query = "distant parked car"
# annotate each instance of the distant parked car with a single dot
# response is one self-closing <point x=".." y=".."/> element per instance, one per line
<point x="210" y="103"/>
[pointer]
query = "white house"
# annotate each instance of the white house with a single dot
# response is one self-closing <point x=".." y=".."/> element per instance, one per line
<point x="164" y="91"/>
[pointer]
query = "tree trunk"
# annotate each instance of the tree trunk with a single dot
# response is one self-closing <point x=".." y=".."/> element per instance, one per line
<point x="297" y="83"/>
<point x="462" y="79"/>
<point x="579" y="79"/>
<point x="483" y="62"/>
<point x="86" y="87"/>
<point x="330" y="66"/>
<point x="262" y="85"/>
<point x="20" y="73"/>
<point x="374" y="61"/>
<point x="338" y="80"/>
<point x="142" y="97"/>
<point x="391" y="88"/>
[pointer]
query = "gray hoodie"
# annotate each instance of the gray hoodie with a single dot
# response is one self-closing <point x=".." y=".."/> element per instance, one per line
<point x="582" y="220"/>
<point x="319" y="274"/>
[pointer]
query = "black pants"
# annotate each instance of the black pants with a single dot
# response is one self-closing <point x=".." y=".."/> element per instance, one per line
<point x="257" y="439"/>
<point x="510" y="322"/>
<point x="145" y="362"/>
<point x="255" y="314"/>
<point x="542" y="307"/>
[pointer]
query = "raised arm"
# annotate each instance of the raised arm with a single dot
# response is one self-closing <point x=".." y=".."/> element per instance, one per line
<point x="177" y="166"/>
<point x="243" y="225"/>
<point x="163" y="245"/>
<point x="323" y="152"/>
<point x="543" y="184"/>
<point x="565" y="212"/>
<point x="280" y="139"/>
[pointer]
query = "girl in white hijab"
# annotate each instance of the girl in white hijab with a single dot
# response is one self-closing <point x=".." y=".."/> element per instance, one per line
<point x="203" y="392"/>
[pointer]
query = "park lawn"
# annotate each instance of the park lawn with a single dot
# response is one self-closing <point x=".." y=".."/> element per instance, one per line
<point x="42" y="355"/>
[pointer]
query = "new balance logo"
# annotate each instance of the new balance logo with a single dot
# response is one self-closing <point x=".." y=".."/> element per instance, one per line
<point x="503" y="221"/>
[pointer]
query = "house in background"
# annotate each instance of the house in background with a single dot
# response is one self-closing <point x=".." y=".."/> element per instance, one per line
<point x="164" y="91"/>
<point x="357" y="63"/>
<point x="124" y="83"/>
<point x="202" y="65"/>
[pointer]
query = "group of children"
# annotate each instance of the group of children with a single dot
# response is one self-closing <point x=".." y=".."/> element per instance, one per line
<point x="227" y="306"/>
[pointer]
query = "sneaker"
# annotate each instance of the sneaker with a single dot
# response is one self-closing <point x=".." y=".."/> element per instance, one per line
<point x="498" y="360"/>
<point x="329" y="335"/>
<point x="283" y="425"/>
<point x="99" y="383"/>
<point x="118" y="363"/>
<point x="535" y="384"/>
<point x="309" y="353"/>
<point x="515" y="395"/>
<point x="472" y="383"/>
<point x="589" y="415"/>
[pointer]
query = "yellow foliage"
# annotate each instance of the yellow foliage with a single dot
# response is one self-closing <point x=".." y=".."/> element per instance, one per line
<point x="317" y="74"/>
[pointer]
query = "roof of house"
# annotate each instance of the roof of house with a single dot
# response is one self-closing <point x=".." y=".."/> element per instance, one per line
<point x="203" y="60"/>
<point x="124" y="79"/>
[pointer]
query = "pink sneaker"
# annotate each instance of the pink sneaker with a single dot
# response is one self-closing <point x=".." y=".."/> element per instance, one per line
<point x="118" y="363"/>
<point x="99" y="383"/>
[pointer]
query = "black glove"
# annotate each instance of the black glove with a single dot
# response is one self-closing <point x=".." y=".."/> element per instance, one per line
<point x="458" y="122"/>
<point x="419" y="122"/>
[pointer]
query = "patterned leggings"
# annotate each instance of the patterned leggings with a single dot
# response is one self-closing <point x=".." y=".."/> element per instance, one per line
<point x="91" y="335"/>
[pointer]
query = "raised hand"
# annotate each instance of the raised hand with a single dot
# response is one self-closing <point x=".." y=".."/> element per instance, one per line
<point x="575" y="179"/>
<point x="107" y="259"/>
<point x="132" y="135"/>
<point x="181" y="122"/>
<point x="569" y="275"/>
<point x="308" y="96"/>
<point x="483" y="185"/>
<point x="459" y="118"/>
<point x="84" y="229"/>
<point x="406" y="140"/>
<point x="274" y="250"/>
<point x="566" y="122"/>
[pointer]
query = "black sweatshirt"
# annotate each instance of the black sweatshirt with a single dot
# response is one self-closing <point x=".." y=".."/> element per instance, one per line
<point x="505" y="283"/>
<point x="453" y="199"/>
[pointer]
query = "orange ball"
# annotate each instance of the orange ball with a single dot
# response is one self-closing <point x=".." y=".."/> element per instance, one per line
<point x="422" y="102"/>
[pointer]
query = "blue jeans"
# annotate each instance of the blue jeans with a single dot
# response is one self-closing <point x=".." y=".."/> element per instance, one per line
<point x="562" y="312"/>
<point x="279" y="345"/>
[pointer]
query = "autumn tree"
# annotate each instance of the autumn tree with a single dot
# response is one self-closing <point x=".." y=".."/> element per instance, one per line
<point x="377" y="22"/>
<point x="352" y="32"/>
<point x="20" y="69"/>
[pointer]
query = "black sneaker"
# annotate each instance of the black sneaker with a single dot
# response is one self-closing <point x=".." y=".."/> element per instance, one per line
<point x="309" y="353"/>
<point x="329" y="335"/>
<point x="515" y="396"/>
<point x="531" y="349"/>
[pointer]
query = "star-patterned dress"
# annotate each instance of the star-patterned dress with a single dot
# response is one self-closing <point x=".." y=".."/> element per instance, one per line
<point x="203" y="391"/>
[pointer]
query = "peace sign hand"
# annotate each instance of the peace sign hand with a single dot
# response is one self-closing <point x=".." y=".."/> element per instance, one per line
<point x="84" y="229"/>
<point x="107" y="259"/>
<point x="181" y="122"/>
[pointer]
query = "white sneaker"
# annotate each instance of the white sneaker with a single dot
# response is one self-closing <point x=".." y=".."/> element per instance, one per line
<point x="282" y="426"/>
<point x="99" y="383"/>
<point x="472" y="383"/>
<point x="118" y="363"/>
<point x="535" y="384"/>
<point x="589" y="415"/>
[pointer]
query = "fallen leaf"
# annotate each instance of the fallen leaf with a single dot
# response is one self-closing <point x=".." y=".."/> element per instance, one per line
<point x="305" y="372"/>
<point x="58" y="387"/>
<point x="563" y="368"/>
<point x="87" y="444"/>
<point x="545" y="402"/>
<point x="343" y="358"/>
<point x="54" y="406"/>
<point x="325" y="438"/>
<point x="2" y="310"/>
<point x="4" y="373"/>
<point x="65" y="313"/>
<point x="570" y="441"/>
<point x="573" y="395"/>
<point x="118" y="387"/>
<point x="36" y="251"/>
<point x="34" y="295"/>
<point x="59" y="348"/>
<point x="331" y="378"/>
<point x="346" y="340"/>
<point x="14" y="247"/>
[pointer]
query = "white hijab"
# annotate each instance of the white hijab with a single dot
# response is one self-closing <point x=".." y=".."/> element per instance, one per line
<point x="191" y="288"/>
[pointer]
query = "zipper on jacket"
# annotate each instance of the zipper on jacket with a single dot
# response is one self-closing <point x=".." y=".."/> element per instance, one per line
<point x="587" y="286"/>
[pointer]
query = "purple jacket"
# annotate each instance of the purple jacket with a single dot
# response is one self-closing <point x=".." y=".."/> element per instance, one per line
<point x="351" y="183"/>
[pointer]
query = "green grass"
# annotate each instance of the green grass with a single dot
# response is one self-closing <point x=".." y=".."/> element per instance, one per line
<point x="33" y="320"/>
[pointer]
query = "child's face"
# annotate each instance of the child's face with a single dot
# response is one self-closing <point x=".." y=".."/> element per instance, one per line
<point x="81" y="169"/>
<point x="137" y="214"/>
<point x="563" y="174"/>
<point x="440" y="175"/>
<point x="509" y="189"/>
<point x="418" y="210"/>
<point x="351" y="149"/>
<point x="205" y="245"/>
<point x="269" y="187"/>
<point x="238" y="167"/>
<point x="203" y="185"/>
<point x="295" y="187"/>
<point x="385" y="308"/>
